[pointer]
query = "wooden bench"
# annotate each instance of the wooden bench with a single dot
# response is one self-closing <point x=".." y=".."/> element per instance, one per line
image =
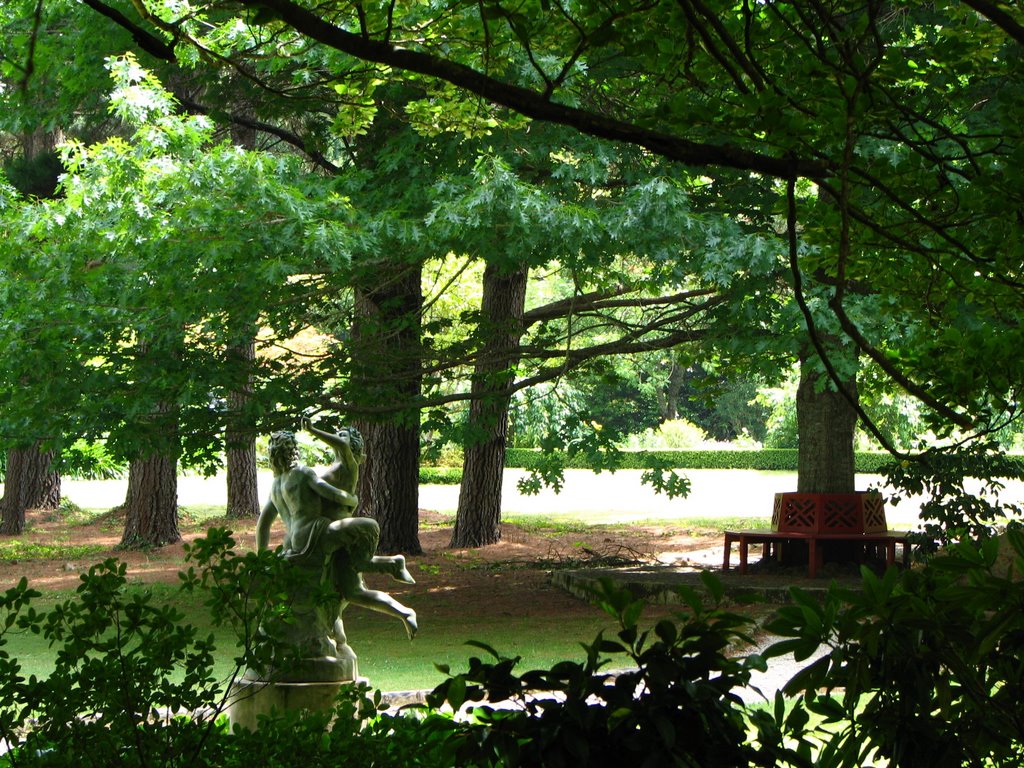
<point x="813" y="518"/>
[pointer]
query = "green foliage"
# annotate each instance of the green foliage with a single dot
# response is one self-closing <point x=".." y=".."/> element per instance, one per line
<point x="922" y="667"/>
<point x="951" y="510"/>
<point x="673" y="700"/>
<point x="124" y="666"/>
<point x="132" y="682"/>
<point x="138" y="288"/>
<point x="85" y="460"/>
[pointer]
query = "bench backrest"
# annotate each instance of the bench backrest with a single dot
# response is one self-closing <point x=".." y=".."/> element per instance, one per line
<point x="861" y="512"/>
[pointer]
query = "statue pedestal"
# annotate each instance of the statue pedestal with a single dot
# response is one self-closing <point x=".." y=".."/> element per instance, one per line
<point x="252" y="698"/>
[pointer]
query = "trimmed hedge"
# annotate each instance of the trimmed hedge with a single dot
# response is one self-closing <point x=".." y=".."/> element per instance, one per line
<point x="784" y="459"/>
<point x="440" y="475"/>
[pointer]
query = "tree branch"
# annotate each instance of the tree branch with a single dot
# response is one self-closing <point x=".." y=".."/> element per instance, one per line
<point x="536" y="105"/>
<point x="150" y="43"/>
<point x="999" y="17"/>
<point x="286" y="136"/>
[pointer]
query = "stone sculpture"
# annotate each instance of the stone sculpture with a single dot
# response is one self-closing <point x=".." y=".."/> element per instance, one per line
<point x="331" y="549"/>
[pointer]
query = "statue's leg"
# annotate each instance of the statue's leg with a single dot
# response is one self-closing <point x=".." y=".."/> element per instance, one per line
<point x="350" y="586"/>
<point x="340" y="639"/>
<point x="393" y="565"/>
<point x="382" y="602"/>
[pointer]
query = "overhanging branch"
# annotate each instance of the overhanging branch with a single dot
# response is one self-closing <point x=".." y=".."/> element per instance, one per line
<point x="533" y="104"/>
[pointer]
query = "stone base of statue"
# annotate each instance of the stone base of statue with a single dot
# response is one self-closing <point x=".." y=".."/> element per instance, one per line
<point x="310" y="685"/>
<point x="251" y="699"/>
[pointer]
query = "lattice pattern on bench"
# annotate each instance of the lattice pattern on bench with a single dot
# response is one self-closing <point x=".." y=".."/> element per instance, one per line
<point x="828" y="513"/>
<point x="874" y="513"/>
<point x="798" y="514"/>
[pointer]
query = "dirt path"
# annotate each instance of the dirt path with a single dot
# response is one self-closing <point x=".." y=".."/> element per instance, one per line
<point x="490" y="579"/>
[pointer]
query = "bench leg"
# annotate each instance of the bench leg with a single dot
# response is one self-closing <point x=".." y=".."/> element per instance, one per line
<point x="743" y="554"/>
<point x="725" y="557"/>
<point x="812" y="557"/>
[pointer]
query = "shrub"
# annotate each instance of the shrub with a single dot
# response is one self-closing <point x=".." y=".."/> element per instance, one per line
<point x="90" y="461"/>
<point x="440" y="475"/>
<point x="673" y="702"/>
<point x="784" y="459"/>
<point x="926" y="662"/>
<point x="677" y="434"/>
<point x="133" y="686"/>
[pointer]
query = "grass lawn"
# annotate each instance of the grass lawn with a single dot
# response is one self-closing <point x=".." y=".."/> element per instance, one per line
<point x="386" y="656"/>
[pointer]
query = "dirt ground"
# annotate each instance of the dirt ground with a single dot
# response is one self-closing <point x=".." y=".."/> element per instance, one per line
<point x="490" y="579"/>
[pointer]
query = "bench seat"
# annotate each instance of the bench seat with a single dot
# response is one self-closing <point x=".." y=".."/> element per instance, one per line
<point x="773" y="540"/>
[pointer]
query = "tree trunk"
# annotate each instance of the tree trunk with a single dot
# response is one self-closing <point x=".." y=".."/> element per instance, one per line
<point x="389" y="483"/>
<point x="825" y="426"/>
<point x="674" y="385"/>
<point x="243" y="492"/>
<point x="478" y="519"/>
<point x="30" y="483"/>
<point x="240" y="439"/>
<point x="151" y="505"/>
<point x="386" y="369"/>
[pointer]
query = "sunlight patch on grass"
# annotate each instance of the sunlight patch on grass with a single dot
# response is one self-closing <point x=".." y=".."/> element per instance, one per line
<point x="18" y="549"/>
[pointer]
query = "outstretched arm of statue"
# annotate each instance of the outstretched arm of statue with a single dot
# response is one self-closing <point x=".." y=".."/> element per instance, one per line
<point x="342" y="445"/>
<point x="337" y="442"/>
<point x="267" y="516"/>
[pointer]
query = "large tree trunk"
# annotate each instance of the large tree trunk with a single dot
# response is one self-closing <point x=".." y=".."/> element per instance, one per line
<point x="151" y="505"/>
<point x="240" y="440"/>
<point x="389" y="484"/>
<point x="478" y="519"/>
<point x="243" y="491"/>
<point x="825" y="425"/>
<point x="386" y="369"/>
<point x="30" y="483"/>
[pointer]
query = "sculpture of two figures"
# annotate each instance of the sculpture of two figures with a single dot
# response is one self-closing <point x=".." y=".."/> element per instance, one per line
<point x="331" y="549"/>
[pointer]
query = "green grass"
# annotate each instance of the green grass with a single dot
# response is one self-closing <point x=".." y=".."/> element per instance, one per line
<point x="15" y="550"/>
<point x="551" y="524"/>
<point x="386" y="656"/>
<point x="696" y="526"/>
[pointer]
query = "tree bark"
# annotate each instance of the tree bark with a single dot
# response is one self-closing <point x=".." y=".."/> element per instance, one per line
<point x="240" y="439"/>
<point x="29" y="483"/>
<point x="825" y="427"/>
<point x="243" y="491"/>
<point x="478" y="519"/>
<point x="151" y="504"/>
<point x="389" y="484"/>
<point x="386" y="367"/>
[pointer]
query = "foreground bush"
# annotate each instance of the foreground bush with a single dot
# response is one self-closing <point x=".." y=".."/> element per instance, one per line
<point x="924" y="668"/>
<point x="664" y="697"/>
